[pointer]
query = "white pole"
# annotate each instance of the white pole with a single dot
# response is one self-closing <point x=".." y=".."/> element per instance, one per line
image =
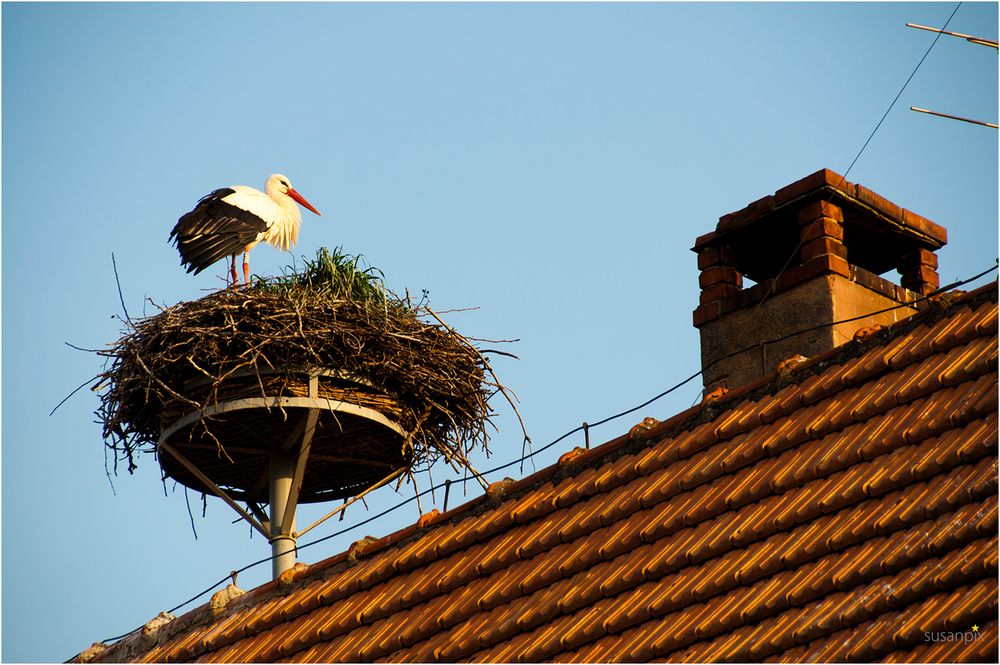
<point x="282" y="469"/>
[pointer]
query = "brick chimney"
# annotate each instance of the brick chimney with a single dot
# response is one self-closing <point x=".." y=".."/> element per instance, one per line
<point x="816" y="250"/>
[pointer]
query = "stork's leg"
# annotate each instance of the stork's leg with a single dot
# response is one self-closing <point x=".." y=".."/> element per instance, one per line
<point x="232" y="269"/>
<point x="246" y="267"/>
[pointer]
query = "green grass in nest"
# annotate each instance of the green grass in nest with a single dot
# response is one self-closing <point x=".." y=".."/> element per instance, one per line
<point x="336" y="274"/>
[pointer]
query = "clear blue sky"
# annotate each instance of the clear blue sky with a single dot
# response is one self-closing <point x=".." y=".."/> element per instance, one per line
<point x="549" y="164"/>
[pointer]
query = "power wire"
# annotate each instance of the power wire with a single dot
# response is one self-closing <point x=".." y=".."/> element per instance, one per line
<point x="900" y="93"/>
<point x="579" y="428"/>
<point x="843" y="178"/>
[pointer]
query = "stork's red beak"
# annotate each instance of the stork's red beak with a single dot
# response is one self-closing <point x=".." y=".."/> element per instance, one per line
<point x="301" y="200"/>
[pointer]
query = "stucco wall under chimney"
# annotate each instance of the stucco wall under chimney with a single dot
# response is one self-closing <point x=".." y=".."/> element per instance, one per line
<point x="821" y="301"/>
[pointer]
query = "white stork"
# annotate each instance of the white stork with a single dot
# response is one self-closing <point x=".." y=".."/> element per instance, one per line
<point x="234" y="219"/>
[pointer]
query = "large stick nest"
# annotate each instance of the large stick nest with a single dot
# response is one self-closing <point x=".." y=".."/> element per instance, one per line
<point x="332" y="314"/>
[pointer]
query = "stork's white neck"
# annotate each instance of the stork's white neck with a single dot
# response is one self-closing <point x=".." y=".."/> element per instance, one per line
<point x="284" y="232"/>
<point x="288" y="205"/>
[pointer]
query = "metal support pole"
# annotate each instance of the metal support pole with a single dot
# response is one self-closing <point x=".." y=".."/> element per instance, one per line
<point x="163" y="445"/>
<point x="281" y="471"/>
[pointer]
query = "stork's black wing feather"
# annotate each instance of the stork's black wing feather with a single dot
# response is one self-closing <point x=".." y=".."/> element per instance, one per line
<point x="214" y="230"/>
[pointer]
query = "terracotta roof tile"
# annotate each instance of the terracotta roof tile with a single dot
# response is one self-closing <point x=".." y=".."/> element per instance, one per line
<point x="986" y="324"/>
<point x="537" y="503"/>
<point x="960" y="330"/>
<point x="956" y="331"/>
<point x="817" y="387"/>
<point x="631" y="609"/>
<point x="329" y="652"/>
<point x="419" y="552"/>
<point x="835" y="512"/>
<point x="921" y="346"/>
<point x="609" y="649"/>
<point x="503" y="623"/>
<point x="383" y="638"/>
<point x="308" y="629"/>
<point x="984" y="319"/>
<point x="466" y="640"/>
<point x="424" y="623"/>
<point x="183" y="648"/>
<point x="596" y="622"/>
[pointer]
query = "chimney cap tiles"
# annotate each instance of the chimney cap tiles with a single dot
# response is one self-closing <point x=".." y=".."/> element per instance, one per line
<point x="878" y="235"/>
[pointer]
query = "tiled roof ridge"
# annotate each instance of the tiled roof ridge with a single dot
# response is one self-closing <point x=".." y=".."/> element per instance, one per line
<point x="685" y="421"/>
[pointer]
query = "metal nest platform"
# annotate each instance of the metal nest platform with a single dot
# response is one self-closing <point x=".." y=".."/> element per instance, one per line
<point x="348" y="429"/>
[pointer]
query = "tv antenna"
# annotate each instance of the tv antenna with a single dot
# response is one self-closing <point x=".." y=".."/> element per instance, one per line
<point x="982" y="41"/>
<point x="969" y="38"/>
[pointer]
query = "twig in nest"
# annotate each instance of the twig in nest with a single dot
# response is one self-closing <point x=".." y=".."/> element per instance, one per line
<point x="187" y="502"/>
<point x="486" y="364"/>
<point x="121" y="298"/>
<point x="74" y="391"/>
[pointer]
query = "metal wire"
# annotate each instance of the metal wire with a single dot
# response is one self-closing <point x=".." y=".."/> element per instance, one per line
<point x="843" y="178"/>
<point x="582" y="427"/>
